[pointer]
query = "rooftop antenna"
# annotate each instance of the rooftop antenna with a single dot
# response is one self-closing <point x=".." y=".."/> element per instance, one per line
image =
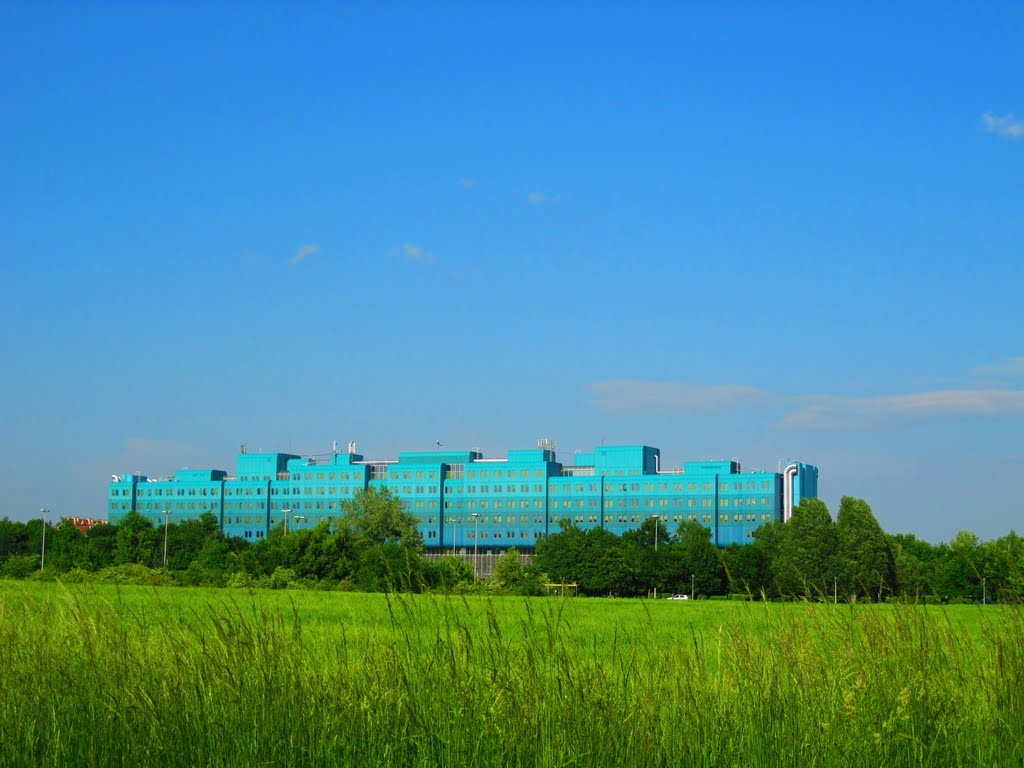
<point x="241" y="448"/>
<point x="352" y="446"/>
<point x="334" y="446"/>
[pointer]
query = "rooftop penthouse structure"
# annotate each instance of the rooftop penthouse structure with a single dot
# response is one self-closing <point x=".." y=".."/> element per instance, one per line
<point x="462" y="500"/>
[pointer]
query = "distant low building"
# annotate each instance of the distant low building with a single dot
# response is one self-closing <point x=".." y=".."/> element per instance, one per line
<point x="85" y="523"/>
<point x="462" y="500"/>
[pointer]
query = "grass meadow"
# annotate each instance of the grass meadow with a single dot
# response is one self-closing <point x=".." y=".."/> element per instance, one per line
<point x="133" y="676"/>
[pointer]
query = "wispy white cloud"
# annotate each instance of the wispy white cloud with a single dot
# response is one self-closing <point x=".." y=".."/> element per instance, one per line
<point x="412" y="252"/>
<point x="806" y="412"/>
<point x="833" y="412"/>
<point x="1010" y="370"/>
<point x="636" y="396"/>
<point x="302" y="253"/>
<point x="415" y="253"/>
<point x="467" y="183"/>
<point x="1007" y="125"/>
<point x="535" y="198"/>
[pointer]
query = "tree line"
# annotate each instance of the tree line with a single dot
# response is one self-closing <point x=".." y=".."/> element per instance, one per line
<point x="375" y="546"/>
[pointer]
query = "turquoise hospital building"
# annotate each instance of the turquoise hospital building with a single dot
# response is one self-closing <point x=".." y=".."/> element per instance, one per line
<point x="460" y="499"/>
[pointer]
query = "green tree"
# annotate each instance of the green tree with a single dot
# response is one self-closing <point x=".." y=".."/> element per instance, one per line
<point x="699" y="559"/>
<point x="559" y="554"/>
<point x="648" y="552"/>
<point x="66" y="548"/>
<point x="136" y="541"/>
<point x="390" y="568"/>
<point x="911" y="560"/>
<point x="13" y="538"/>
<point x="375" y="516"/>
<point x="804" y="563"/>
<point x="748" y="566"/>
<point x="1005" y="575"/>
<point x="596" y="560"/>
<point x="101" y="542"/>
<point x="864" y="563"/>
<point x="448" y="573"/>
<point x="512" y="577"/>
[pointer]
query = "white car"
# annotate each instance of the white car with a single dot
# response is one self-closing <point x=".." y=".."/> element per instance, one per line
<point x="678" y="597"/>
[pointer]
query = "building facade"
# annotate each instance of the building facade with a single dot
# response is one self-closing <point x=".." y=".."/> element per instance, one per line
<point x="463" y="501"/>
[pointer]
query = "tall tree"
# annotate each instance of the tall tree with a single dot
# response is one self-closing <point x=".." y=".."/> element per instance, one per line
<point x="864" y="563"/>
<point x="376" y="517"/>
<point x="101" y="542"/>
<point x="13" y="538"/>
<point x="512" y="577"/>
<point x="136" y="540"/>
<point x="701" y="563"/>
<point x="648" y="552"/>
<point x="911" y="558"/>
<point x="67" y="548"/>
<point x="804" y="563"/>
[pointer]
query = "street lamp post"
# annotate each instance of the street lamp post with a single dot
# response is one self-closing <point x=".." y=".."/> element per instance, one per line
<point x="284" y="516"/>
<point x="656" y="519"/>
<point x="167" y="523"/>
<point x="476" y="544"/>
<point x="984" y="591"/>
<point x="692" y="596"/>
<point x="455" y="532"/>
<point x="296" y="518"/>
<point x="42" y="556"/>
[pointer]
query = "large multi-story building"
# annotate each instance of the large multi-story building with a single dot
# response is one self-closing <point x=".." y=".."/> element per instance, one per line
<point x="462" y="500"/>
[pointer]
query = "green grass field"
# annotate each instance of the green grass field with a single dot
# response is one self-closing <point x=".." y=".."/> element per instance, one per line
<point x="142" y="676"/>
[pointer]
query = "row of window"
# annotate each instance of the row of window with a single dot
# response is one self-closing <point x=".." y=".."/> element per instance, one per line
<point x="432" y="489"/>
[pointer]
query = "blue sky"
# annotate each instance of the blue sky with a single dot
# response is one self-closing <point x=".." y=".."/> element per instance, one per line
<point x="748" y="230"/>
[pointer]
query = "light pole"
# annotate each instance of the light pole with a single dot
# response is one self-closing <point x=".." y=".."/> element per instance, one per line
<point x="284" y="514"/>
<point x="984" y="593"/>
<point x="692" y="597"/>
<point x="656" y="519"/>
<point x="835" y="591"/>
<point x="476" y="542"/>
<point x="455" y="532"/>
<point x="167" y="523"/>
<point x="296" y="518"/>
<point x="42" y="556"/>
